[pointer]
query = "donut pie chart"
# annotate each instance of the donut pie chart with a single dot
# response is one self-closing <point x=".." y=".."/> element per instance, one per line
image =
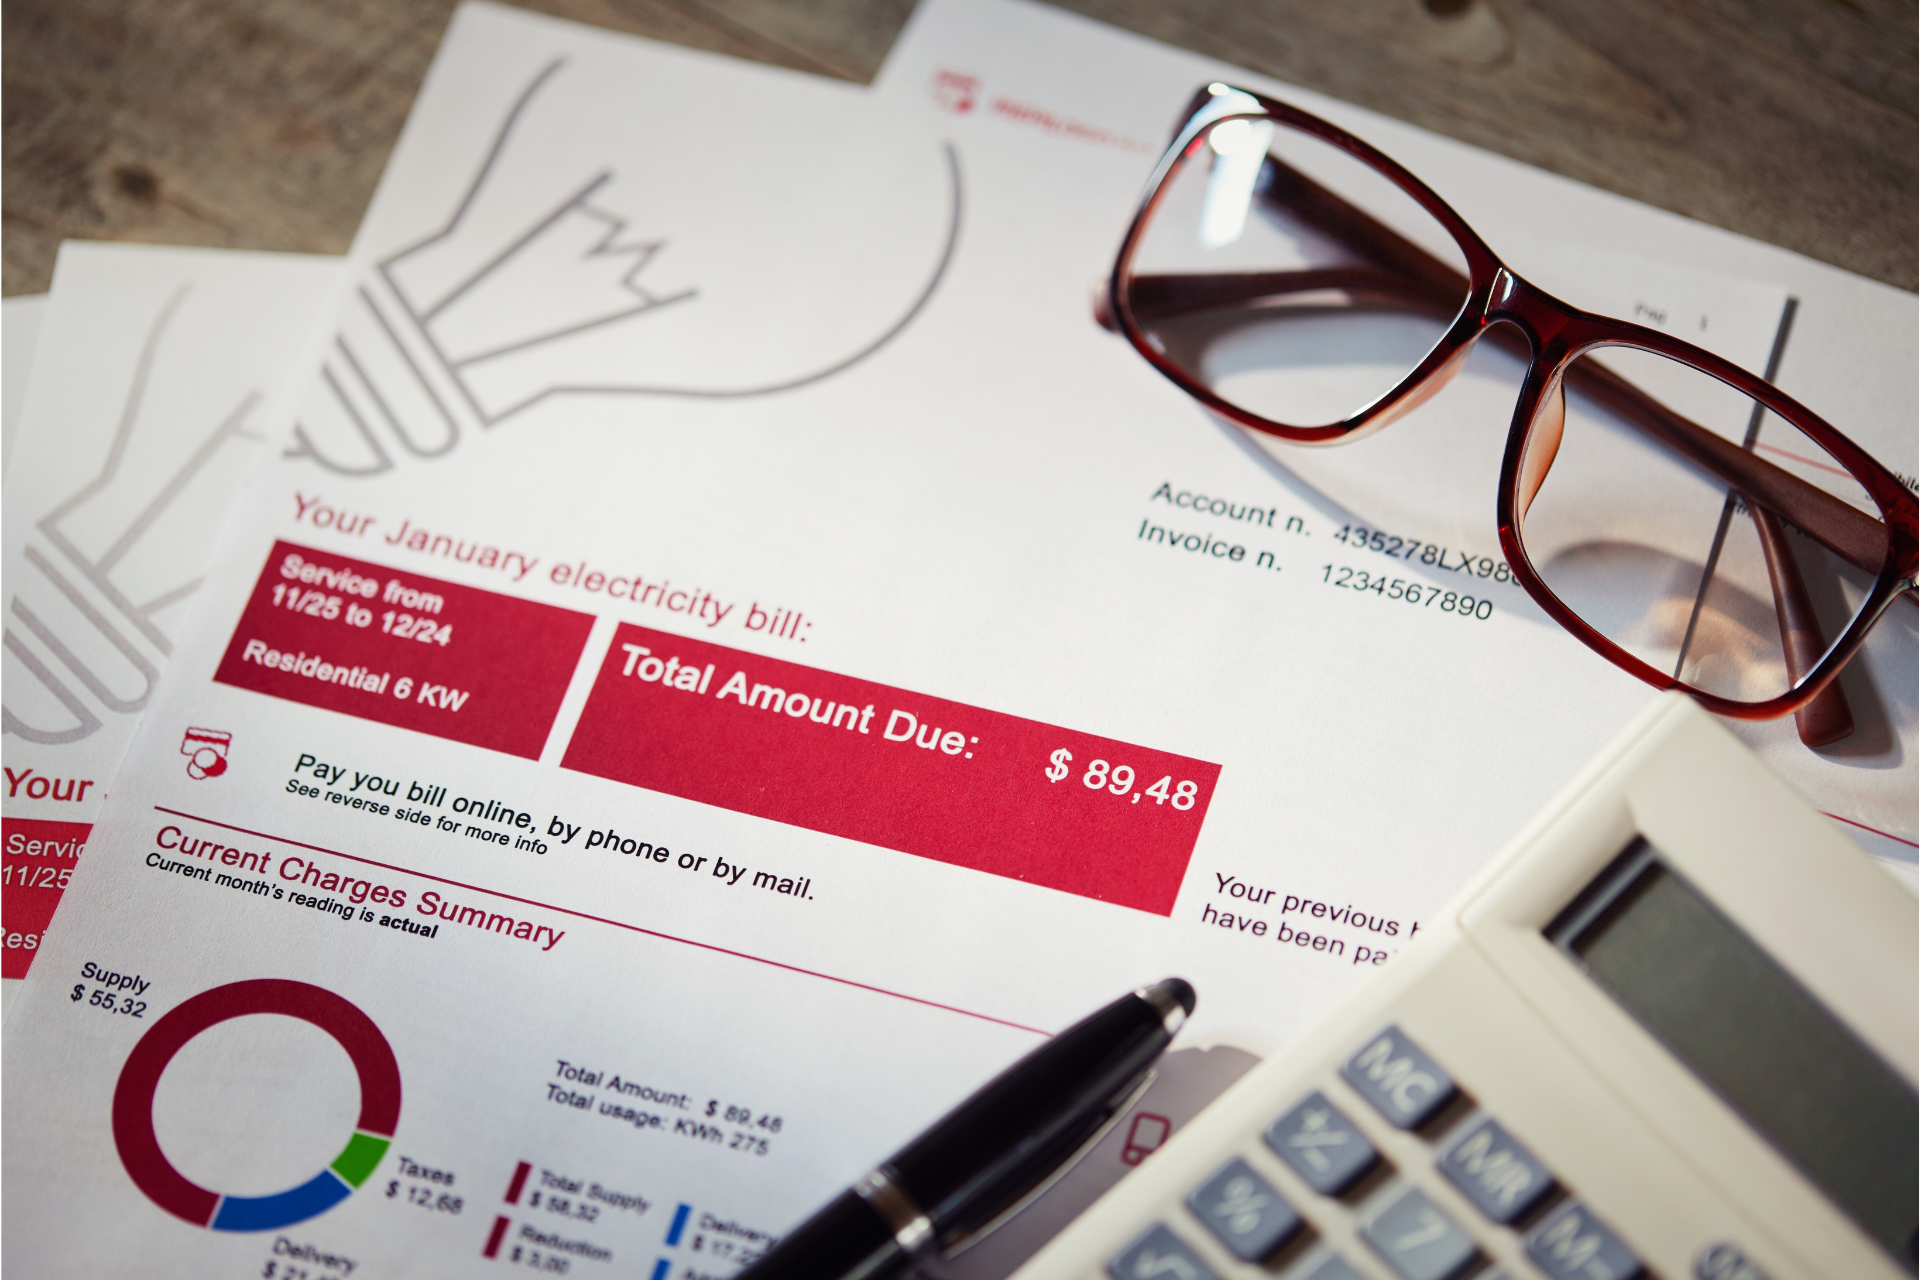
<point x="163" y="1184"/>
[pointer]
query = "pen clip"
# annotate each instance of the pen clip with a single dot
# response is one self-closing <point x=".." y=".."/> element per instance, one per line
<point x="1065" y="1167"/>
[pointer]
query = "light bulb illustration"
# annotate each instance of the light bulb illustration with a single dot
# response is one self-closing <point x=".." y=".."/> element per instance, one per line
<point x="706" y="263"/>
<point x="85" y="633"/>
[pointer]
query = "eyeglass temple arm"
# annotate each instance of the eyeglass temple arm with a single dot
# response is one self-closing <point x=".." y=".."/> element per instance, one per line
<point x="1851" y="534"/>
<point x="1827" y="717"/>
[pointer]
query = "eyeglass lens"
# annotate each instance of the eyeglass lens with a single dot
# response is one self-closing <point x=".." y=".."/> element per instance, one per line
<point x="1704" y="535"/>
<point x="1289" y="278"/>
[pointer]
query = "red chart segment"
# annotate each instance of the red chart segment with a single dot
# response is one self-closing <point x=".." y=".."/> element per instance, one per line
<point x="154" y="1174"/>
<point x="420" y="653"/>
<point x="927" y="776"/>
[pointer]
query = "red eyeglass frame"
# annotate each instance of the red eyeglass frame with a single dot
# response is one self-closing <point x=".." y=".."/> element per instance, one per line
<point x="1555" y="335"/>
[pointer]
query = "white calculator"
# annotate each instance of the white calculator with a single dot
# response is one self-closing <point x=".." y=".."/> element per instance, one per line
<point x="1670" y="1032"/>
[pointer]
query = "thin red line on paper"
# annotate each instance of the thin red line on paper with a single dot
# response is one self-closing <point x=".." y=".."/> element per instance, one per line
<point x="1877" y="831"/>
<point x="617" y="924"/>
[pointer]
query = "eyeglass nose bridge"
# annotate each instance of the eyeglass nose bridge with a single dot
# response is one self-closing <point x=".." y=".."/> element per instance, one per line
<point x="1540" y="321"/>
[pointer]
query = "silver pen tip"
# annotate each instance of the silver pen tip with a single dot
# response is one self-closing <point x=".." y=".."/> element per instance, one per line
<point x="1173" y="1000"/>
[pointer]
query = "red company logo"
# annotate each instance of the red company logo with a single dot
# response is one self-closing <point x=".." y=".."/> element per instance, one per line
<point x="955" y="91"/>
<point x="1144" y="1137"/>
<point x="206" y="752"/>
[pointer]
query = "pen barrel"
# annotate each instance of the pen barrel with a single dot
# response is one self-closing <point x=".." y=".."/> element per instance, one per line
<point x="988" y="1153"/>
<point x="845" y="1239"/>
<point x="995" y="1147"/>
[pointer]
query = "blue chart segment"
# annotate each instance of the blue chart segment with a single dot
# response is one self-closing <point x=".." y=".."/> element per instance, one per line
<point x="166" y="1186"/>
<point x="264" y="1213"/>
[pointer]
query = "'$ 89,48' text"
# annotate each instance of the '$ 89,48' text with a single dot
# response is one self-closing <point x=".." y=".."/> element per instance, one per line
<point x="1117" y="779"/>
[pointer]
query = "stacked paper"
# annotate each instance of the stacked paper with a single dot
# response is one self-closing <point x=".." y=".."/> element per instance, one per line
<point x="596" y="716"/>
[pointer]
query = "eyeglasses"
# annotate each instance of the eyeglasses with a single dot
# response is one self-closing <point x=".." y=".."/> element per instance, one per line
<point x="1687" y="520"/>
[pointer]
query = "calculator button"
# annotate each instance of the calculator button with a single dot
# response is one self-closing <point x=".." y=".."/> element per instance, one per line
<point x="1502" y="1178"/>
<point x="1724" y="1261"/>
<point x="1572" y="1244"/>
<point x="1399" y="1079"/>
<point x="1322" y="1145"/>
<point x="1159" y="1255"/>
<point x="1334" y="1267"/>
<point x="1418" y="1241"/>
<point x="1249" y="1217"/>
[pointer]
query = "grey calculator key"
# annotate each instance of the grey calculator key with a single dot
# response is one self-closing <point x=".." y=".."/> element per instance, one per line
<point x="1333" y="1267"/>
<point x="1419" y="1241"/>
<point x="1399" y="1079"/>
<point x="1572" y="1244"/>
<point x="1159" y="1255"/>
<point x="1247" y="1215"/>
<point x="1321" y="1144"/>
<point x="1724" y="1261"/>
<point x="1502" y="1178"/>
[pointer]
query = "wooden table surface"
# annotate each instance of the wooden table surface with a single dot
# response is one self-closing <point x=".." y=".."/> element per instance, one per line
<point x="264" y="124"/>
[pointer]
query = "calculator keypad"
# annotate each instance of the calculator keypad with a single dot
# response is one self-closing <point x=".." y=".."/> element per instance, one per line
<point x="1322" y="1145"/>
<point x="1396" y="1217"/>
<point x="1243" y="1211"/>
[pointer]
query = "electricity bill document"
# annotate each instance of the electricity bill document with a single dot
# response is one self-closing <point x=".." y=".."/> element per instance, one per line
<point x="703" y="690"/>
<point x="144" y="421"/>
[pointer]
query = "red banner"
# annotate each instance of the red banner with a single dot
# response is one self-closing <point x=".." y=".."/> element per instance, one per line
<point x="39" y="860"/>
<point x="929" y="777"/>
<point x="436" y="657"/>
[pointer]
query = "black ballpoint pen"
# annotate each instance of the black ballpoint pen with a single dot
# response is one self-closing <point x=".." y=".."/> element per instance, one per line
<point x="986" y="1155"/>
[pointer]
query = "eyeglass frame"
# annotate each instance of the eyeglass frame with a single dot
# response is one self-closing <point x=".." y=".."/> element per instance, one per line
<point x="1556" y="335"/>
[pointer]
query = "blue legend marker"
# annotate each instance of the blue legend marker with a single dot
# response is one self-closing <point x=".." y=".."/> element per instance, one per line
<point x="680" y="1217"/>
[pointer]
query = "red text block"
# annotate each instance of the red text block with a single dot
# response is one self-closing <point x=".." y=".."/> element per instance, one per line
<point x="382" y="644"/>
<point x="937" y="779"/>
<point x="39" y="859"/>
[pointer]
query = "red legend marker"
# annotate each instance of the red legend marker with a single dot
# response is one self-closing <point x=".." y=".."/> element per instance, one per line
<point x="436" y="657"/>
<point x="922" y="775"/>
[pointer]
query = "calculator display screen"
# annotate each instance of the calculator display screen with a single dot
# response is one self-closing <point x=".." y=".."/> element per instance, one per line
<point x="1759" y="1039"/>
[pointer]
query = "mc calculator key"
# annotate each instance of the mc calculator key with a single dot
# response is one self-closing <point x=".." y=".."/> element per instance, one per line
<point x="1399" y="1079"/>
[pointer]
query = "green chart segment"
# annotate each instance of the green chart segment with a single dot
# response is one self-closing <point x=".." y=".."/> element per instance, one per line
<point x="155" y="1175"/>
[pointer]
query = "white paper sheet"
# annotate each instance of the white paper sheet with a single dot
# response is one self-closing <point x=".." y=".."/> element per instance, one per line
<point x="144" y="422"/>
<point x="19" y="335"/>
<point x="876" y="444"/>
